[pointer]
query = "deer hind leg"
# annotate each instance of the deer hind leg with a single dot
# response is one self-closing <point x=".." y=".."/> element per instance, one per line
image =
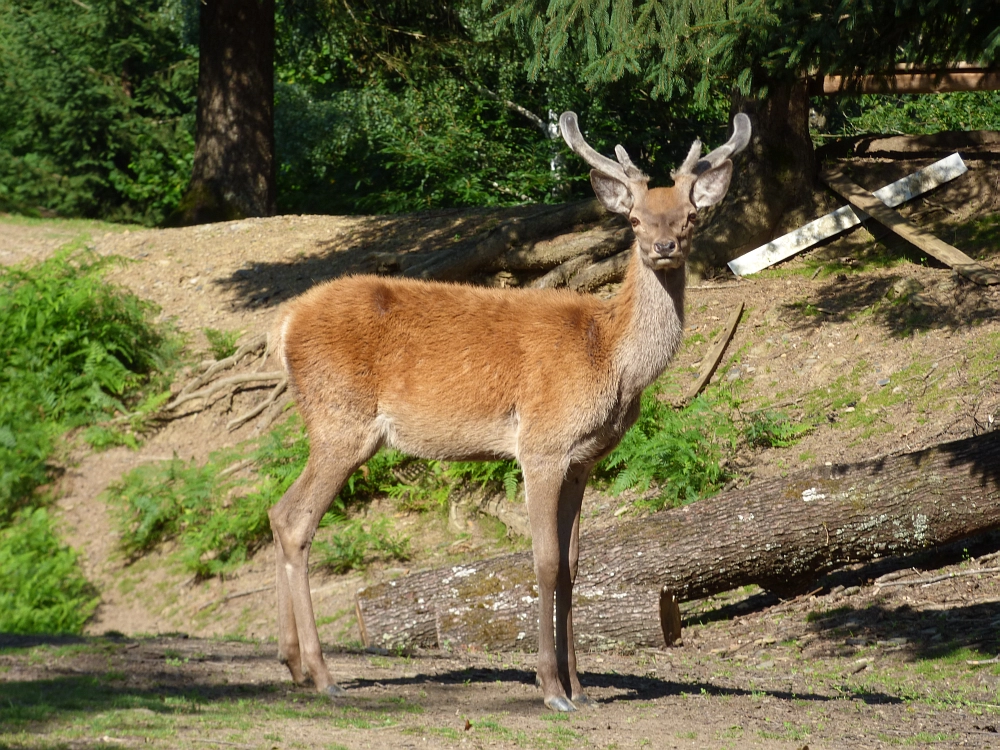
<point x="570" y="502"/>
<point x="543" y="481"/>
<point x="294" y="520"/>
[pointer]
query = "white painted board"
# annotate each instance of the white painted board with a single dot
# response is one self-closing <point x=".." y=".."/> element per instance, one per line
<point x="846" y="217"/>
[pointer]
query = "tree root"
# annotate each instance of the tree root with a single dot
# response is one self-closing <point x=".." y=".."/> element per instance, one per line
<point x="202" y="388"/>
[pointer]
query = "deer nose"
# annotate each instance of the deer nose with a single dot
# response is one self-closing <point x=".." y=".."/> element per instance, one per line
<point x="665" y="249"/>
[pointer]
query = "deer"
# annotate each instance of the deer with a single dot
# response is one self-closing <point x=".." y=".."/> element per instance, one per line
<point x="549" y="377"/>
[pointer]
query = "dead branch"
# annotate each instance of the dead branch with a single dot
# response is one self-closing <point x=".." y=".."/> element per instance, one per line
<point x="714" y="355"/>
<point x="224" y="384"/>
<point x="275" y="392"/>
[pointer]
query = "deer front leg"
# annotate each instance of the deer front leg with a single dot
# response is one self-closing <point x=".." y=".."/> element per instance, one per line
<point x="543" y="483"/>
<point x="570" y="502"/>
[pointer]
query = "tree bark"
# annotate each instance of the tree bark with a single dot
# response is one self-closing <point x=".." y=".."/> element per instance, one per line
<point x="233" y="175"/>
<point x="774" y="185"/>
<point x="779" y="533"/>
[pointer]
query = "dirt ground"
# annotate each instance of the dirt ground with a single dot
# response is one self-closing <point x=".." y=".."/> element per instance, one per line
<point x="853" y="664"/>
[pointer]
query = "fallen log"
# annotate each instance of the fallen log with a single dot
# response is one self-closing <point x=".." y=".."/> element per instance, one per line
<point x="470" y="256"/>
<point x="596" y="244"/>
<point x="778" y="533"/>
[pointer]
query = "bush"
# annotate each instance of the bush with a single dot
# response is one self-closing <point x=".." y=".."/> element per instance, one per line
<point x="41" y="587"/>
<point x="915" y="114"/>
<point x="74" y="348"/>
<point x="97" y="107"/>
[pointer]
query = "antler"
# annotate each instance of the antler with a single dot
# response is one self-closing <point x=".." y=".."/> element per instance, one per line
<point x="623" y="170"/>
<point x="693" y="165"/>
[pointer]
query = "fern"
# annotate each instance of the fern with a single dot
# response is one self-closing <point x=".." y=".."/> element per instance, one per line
<point x="678" y="451"/>
<point x="41" y="587"/>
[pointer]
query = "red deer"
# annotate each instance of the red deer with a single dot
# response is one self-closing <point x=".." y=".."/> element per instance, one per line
<point x="551" y="378"/>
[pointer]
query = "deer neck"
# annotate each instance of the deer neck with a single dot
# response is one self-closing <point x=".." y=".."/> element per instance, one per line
<point x="650" y="316"/>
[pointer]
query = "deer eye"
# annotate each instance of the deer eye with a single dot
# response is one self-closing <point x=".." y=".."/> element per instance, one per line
<point x="634" y="222"/>
<point x="692" y="218"/>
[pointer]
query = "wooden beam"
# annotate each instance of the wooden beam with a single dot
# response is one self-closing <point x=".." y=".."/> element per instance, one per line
<point x="908" y="82"/>
<point x="951" y="256"/>
<point x="845" y="218"/>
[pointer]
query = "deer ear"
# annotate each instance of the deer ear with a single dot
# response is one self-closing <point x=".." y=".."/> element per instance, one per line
<point x="711" y="186"/>
<point x="613" y="193"/>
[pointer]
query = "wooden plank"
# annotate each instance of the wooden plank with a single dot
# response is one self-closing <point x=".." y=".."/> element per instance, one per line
<point x="915" y="82"/>
<point x="714" y="355"/>
<point x="933" y="246"/>
<point x="845" y="218"/>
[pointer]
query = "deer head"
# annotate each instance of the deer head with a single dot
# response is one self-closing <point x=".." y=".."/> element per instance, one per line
<point x="662" y="218"/>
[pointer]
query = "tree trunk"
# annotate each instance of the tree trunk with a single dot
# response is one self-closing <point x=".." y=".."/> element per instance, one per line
<point x="233" y="175"/>
<point x="779" y="533"/>
<point x="774" y="184"/>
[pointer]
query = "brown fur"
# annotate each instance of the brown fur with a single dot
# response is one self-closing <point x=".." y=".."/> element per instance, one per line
<point x="445" y="371"/>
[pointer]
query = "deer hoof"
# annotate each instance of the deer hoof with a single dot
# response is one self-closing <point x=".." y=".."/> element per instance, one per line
<point x="334" y="691"/>
<point x="560" y="703"/>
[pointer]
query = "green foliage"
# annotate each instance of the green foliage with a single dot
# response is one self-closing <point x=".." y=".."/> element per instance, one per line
<point x="678" y="450"/>
<point x="680" y="46"/>
<point x="768" y="428"/>
<point x="351" y="546"/>
<point x="915" y="114"/>
<point x="222" y="343"/>
<point x="97" y="107"/>
<point x="74" y="348"/>
<point x="41" y="587"/>
<point x="218" y="521"/>
<point x="505" y="474"/>
<point x="400" y="106"/>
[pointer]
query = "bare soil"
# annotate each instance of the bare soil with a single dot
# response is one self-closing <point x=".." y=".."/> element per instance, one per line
<point x="852" y="664"/>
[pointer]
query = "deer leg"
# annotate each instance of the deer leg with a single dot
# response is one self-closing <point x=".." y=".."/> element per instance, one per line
<point x="294" y="520"/>
<point x="570" y="502"/>
<point x="542" y="483"/>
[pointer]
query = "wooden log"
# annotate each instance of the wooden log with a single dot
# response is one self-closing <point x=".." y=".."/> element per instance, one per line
<point x="779" y="533"/>
<point x="469" y="256"/>
<point x="596" y="244"/>
<point x="937" y="248"/>
<point x="605" y="272"/>
<point x="561" y="274"/>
